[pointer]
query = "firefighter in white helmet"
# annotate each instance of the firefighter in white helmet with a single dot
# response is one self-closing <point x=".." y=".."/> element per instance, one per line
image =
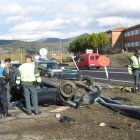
<point x="27" y="76"/>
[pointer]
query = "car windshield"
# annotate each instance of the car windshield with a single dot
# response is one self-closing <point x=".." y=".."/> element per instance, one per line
<point x="53" y="66"/>
<point x="50" y="65"/>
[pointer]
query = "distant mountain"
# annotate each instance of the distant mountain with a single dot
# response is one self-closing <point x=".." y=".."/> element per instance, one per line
<point x="82" y="35"/>
<point x="6" y="42"/>
<point x="50" y="43"/>
<point x="54" y="40"/>
<point x="50" y="40"/>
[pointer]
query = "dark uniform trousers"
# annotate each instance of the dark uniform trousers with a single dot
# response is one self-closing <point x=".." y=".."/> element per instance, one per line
<point x="3" y="100"/>
<point x="30" y="91"/>
<point x="136" y="74"/>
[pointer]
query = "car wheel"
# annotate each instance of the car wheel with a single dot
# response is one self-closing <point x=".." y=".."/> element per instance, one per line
<point x="87" y="80"/>
<point x="67" y="89"/>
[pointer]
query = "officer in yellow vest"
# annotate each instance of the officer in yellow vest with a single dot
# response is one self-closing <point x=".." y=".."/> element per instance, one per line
<point x="134" y="68"/>
<point x="27" y="75"/>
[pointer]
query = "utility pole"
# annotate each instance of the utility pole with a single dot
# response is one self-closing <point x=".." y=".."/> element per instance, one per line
<point x="21" y="55"/>
<point x="61" y="50"/>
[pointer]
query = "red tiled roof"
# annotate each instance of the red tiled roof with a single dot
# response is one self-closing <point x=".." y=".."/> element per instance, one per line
<point x="120" y="29"/>
<point x="117" y="29"/>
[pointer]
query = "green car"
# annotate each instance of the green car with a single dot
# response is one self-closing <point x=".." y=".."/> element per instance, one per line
<point x="52" y="69"/>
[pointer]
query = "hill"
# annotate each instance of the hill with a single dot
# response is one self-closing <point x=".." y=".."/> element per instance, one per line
<point x="50" y="40"/>
<point x="52" y="44"/>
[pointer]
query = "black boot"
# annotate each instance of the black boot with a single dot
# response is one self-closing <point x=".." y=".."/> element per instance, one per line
<point x="5" y="115"/>
<point x="135" y="90"/>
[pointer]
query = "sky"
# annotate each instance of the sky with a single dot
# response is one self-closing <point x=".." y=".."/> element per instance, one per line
<point x="37" y="19"/>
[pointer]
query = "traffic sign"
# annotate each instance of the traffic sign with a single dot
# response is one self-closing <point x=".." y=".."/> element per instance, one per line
<point x="103" y="61"/>
<point x="43" y="52"/>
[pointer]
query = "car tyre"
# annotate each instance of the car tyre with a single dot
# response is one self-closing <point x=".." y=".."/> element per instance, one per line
<point x="67" y="89"/>
<point x="87" y="80"/>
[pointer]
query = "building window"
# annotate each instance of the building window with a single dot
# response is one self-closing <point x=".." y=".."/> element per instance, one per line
<point x="128" y="33"/>
<point x="139" y="43"/>
<point x="136" y="43"/>
<point x="132" y="33"/>
<point x="125" y="34"/>
<point x="128" y="44"/>
<point x="136" y="32"/>
<point x="132" y="44"/>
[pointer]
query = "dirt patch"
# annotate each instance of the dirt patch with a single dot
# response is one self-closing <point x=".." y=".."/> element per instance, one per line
<point x="47" y="127"/>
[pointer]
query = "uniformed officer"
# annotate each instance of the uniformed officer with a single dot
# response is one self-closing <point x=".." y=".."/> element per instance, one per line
<point x="3" y="95"/>
<point x="6" y="65"/>
<point x="134" y="68"/>
<point x="28" y="75"/>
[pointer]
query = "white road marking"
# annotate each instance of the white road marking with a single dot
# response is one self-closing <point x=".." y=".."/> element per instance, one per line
<point x="104" y="71"/>
<point x="110" y="68"/>
<point x="117" y="68"/>
<point x="113" y="80"/>
<point x="122" y="81"/>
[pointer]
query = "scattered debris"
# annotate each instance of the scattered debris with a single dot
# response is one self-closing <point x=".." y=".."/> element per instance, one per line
<point x="137" y="129"/>
<point x="114" y="127"/>
<point x="59" y="109"/>
<point x="126" y="89"/>
<point x="102" y="124"/>
<point x="58" y="116"/>
<point x="66" y="119"/>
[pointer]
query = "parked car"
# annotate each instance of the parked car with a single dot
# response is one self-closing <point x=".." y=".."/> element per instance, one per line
<point x="53" y="70"/>
<point x="88" y="61"/>
<point x="49" y="68"/>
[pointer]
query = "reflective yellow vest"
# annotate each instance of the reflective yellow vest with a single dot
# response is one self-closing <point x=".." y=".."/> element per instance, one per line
<point x="135" y="62"/>
<point x="27" y="72"/>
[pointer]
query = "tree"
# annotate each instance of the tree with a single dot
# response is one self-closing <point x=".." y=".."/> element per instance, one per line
<point x="94" y="41"/>
<point x="103" y="40"/>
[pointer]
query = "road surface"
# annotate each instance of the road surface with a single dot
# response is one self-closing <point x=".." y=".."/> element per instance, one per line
<point x="118" y="76"/>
